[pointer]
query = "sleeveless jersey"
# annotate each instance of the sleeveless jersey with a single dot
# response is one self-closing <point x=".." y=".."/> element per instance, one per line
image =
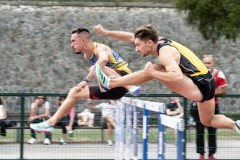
<point x="190" y="64"/>
<point x="114" y="61"/>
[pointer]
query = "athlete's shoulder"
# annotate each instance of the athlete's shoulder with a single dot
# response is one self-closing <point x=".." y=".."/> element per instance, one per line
<point x="162" y="42"/>
<point x="100" y="47"/>
<point x="98" y="44"/>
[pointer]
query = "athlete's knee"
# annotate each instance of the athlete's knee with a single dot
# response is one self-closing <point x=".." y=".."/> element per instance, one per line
<point x="179" y="78"/>
<point x="72" y="93"/>
<point x="206" y="122"/>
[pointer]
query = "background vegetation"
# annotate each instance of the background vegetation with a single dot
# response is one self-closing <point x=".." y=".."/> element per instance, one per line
<point x="213" y="18"/>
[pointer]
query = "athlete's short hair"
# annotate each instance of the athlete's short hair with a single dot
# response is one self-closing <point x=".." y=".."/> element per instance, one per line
<point x="146" y="32"/>
<point x="83" y="31"/>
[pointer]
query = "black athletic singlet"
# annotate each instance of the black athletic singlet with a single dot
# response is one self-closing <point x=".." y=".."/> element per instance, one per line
<point x="193" y="68"/>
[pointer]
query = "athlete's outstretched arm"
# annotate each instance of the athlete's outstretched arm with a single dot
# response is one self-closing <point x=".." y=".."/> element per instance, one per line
<point x="119" y="35"/>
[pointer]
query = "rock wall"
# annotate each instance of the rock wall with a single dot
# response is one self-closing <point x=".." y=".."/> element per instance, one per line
<point x="35" y="47"/>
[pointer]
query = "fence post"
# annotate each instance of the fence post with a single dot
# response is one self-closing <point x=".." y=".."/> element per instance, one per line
<point x="185" y="124"/>
<point x="22" y="127"/>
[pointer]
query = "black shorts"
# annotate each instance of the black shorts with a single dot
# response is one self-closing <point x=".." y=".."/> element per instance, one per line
<point x="114" y="93"/>
<point x="206" y="85"/>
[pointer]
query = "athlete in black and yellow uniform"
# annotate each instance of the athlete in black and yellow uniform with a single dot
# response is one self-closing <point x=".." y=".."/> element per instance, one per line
<point x="178" y="68"/>
<point x="193" y="68"/>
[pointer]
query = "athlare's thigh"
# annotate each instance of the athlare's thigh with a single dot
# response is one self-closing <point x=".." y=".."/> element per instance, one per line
<point x="186" y="87"/>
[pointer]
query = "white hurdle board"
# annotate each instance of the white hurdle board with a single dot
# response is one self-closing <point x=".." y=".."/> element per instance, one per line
<point x="172" y="122"/>
<point x="152" y="106"/>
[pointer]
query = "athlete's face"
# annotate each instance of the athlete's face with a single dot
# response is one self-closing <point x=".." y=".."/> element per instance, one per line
<point x="77" y="43"/>
<point x="209" y="63"/>
<point x="142" y="47"/>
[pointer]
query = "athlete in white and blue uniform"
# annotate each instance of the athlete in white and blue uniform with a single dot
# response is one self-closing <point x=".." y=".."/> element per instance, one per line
<point x="96" y="54"/>
<point x="114" y="62"/>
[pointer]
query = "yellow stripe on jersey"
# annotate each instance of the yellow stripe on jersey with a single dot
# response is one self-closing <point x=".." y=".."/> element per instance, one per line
<point x="188" y="54"/>
<point x="121" y="66"/>
<point x="115" y="61"/>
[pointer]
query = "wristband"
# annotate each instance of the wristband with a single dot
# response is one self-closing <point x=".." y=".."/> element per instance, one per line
<point x="86" y="80"/>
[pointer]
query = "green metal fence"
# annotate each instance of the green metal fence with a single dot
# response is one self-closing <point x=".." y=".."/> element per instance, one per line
<point x="232" y="100"/>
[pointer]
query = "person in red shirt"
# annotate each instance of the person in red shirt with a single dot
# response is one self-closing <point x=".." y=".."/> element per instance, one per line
<point x="220" y="89"/>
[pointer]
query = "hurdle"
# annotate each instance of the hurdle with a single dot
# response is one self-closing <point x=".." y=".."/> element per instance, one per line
<point x="126" y="111"/>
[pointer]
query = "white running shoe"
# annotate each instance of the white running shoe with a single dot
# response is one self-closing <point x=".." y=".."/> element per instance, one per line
<point x="103" y="79"/>
<point x="32" y="141"/>
<point x="237" y="125"/>
<point x="46" y="141"/>
<point x="135" y="90"/>
<point x="42" y="127"/>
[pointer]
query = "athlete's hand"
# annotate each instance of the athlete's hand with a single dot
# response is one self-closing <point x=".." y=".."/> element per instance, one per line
<point x="80" y="86"/>
<point x="99" y="29"/>
<point x="149" y="67"/>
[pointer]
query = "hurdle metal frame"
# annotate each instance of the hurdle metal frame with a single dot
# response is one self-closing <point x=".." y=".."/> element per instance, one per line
<point x="163" y="122"/>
